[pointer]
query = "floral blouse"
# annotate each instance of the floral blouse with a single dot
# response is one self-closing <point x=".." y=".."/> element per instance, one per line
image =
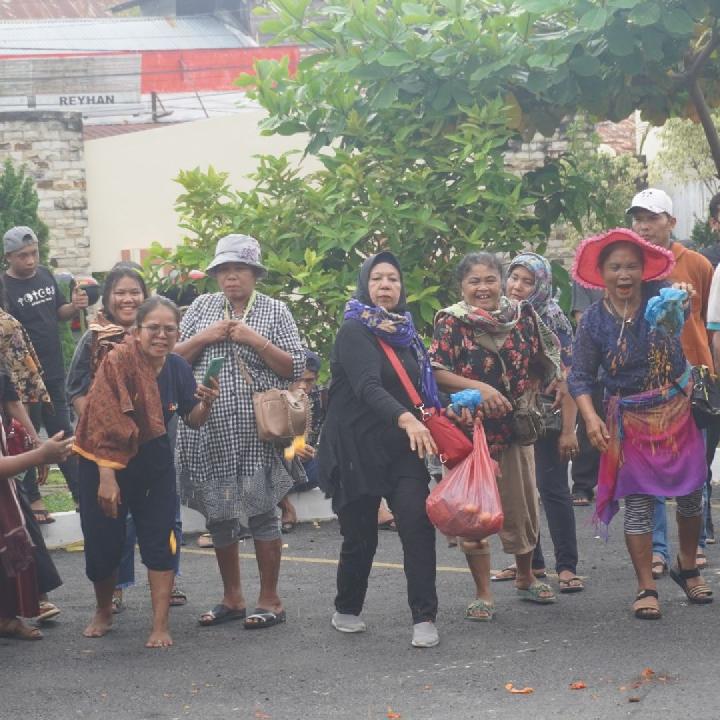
<point x="21" y="360"/>
<point x="454" y="348"/>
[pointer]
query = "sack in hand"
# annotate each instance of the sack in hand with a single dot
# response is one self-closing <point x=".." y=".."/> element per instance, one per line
<point x="466" y="503"/>
<point x="281" y="415"/>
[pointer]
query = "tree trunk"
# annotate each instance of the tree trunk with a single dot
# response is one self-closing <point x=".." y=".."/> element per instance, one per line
<point x="703" y="113"/>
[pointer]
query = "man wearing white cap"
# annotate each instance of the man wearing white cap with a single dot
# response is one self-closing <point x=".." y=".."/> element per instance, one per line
<point x="652" y="218"/>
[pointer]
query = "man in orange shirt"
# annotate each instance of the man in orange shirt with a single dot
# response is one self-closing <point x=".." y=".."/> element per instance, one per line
<point x="652" y="218"/>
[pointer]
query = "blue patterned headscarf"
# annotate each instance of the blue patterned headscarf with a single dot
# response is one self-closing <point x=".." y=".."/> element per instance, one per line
<point x="541" y="297"/>
<point x="395" y="328"/>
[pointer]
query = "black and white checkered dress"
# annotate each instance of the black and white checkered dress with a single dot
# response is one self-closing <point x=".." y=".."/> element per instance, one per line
<point x="226" y="472"/>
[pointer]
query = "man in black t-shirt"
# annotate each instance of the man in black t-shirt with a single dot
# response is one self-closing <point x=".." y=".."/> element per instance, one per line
<point x="34" y="298"/>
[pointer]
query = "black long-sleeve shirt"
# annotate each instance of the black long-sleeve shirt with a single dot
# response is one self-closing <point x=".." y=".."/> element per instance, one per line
<point x="361" y="439"/>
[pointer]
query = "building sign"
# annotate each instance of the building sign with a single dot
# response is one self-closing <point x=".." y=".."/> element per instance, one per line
<point x="86" y="101"/>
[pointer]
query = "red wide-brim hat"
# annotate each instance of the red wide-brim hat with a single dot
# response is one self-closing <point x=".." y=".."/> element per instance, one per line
<point x="657" y="261"/>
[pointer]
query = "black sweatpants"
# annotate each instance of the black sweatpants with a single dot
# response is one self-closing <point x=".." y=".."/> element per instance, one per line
<point x="358" y="525"/>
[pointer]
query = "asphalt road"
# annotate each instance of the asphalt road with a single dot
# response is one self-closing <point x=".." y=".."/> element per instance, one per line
<point x="305" y="669"/>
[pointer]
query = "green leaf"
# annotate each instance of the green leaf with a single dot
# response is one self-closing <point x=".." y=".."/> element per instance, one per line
<point x="585" y="65"/>
<point x="620" y="40"/>
<point x="594" y="20"/>
<point x="386" y="97"/>
<point x="678" y="22"/>
<point x="647" y="13"/>
<point x="394" y="58"/>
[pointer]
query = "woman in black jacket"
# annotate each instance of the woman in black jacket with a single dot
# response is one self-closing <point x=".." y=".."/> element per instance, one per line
<point x="373" y="445"/>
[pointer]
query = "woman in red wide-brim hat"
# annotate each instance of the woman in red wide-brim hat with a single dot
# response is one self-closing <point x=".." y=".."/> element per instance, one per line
<point x="649" y="442"/>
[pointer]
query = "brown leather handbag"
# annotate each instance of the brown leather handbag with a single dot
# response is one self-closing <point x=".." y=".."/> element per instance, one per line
<point x="280" y="415"/>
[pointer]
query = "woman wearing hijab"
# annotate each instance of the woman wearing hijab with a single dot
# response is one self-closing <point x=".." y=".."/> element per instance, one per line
<point x="530" y="280"/>
<point x="373" y="445"/>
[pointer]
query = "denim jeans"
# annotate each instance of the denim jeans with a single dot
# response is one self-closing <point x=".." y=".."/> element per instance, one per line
<point x="55" y="419"/>
<point x="585" y="464"/>
<point x="552" y="483"/>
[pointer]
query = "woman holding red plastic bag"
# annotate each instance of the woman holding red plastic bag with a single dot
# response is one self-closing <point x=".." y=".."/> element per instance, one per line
<point x="485" y="342"/>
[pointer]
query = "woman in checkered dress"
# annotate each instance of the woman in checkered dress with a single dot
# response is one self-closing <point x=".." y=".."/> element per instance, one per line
<point x="226" y="471"/>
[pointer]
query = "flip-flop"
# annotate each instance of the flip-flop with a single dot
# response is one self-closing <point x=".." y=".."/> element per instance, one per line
<point x="532" y="593"/>
<point x="571" y="585"/>
<point x="485" y="611"/>
<point x="48" y="611"/>
<point x="287" y="527"/>
<point x="177" y="597"/>
<point x="580" y="501"/>
<point x="659" y="569"/>
<point x="43" y="517"/>
<point x="510" y="573"/>
<point x="261" y="619"/>
<point x="221" y="614"/>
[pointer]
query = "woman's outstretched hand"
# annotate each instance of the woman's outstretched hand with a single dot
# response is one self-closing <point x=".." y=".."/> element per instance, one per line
<point x="421" y="441"/>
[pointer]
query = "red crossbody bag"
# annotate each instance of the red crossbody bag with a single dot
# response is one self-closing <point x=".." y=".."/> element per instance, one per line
<point x="452" y="443"/>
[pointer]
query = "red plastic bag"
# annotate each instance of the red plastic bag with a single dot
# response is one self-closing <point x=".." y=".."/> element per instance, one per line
<point x="466" y="503"/>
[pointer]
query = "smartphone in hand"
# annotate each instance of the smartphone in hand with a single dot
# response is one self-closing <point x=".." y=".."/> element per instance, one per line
<point x="213" y="369"/>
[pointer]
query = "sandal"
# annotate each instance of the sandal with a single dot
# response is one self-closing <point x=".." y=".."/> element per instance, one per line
<point x="16" y="628"/>
<point x="580" y="501"/>
<point x="43" y="517"/>
<point x="537" y="593"/>
<point x="646" y="606"/>
<point x="205" y="541"/>
<point x="177" y="597"/>
<point x="287" y="527"/>
<point x="659" y="569"/>
<point x="571" y="585"/>
<point x="117" y="604"/>
<point x="221" y="614"/>
<point x="701" y="561"/>
<point x="698" y="594"/>
<point x="48" y="611"/>
<point x="510" y="573"/>
<point x="261" y="619"/>
<point x="480" y="611"/>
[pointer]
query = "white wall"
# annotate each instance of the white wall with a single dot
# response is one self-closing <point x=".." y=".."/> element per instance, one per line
<point x="130" y="188"/>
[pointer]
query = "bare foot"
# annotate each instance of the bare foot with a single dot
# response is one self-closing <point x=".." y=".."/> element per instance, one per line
<point x="159" y="639"/>
<point x="100" y="625"/>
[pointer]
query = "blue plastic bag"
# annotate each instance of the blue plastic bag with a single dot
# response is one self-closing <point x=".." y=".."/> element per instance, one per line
<point x="665" y="311"/>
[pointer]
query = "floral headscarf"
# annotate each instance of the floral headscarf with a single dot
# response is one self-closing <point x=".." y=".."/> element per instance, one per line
<point x="541" y="297"/>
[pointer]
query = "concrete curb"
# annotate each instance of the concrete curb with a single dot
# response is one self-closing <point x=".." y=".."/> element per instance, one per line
<point x="311" y="505"/>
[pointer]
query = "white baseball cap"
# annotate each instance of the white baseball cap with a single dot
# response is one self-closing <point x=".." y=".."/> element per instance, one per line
<point x="655" y="200"/>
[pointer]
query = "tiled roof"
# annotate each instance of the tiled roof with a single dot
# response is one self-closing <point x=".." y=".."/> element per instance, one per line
<point x="96" y="132"/>
<point x="48" y="9"/>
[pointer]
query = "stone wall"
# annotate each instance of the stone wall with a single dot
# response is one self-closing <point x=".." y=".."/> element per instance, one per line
<point x="50" y="145"/>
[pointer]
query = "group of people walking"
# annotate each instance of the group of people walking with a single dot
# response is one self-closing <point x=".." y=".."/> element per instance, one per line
<point x="156" y="427"/>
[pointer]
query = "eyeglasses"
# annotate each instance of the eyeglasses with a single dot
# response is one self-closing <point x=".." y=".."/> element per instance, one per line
<point x="169" y="330"/>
